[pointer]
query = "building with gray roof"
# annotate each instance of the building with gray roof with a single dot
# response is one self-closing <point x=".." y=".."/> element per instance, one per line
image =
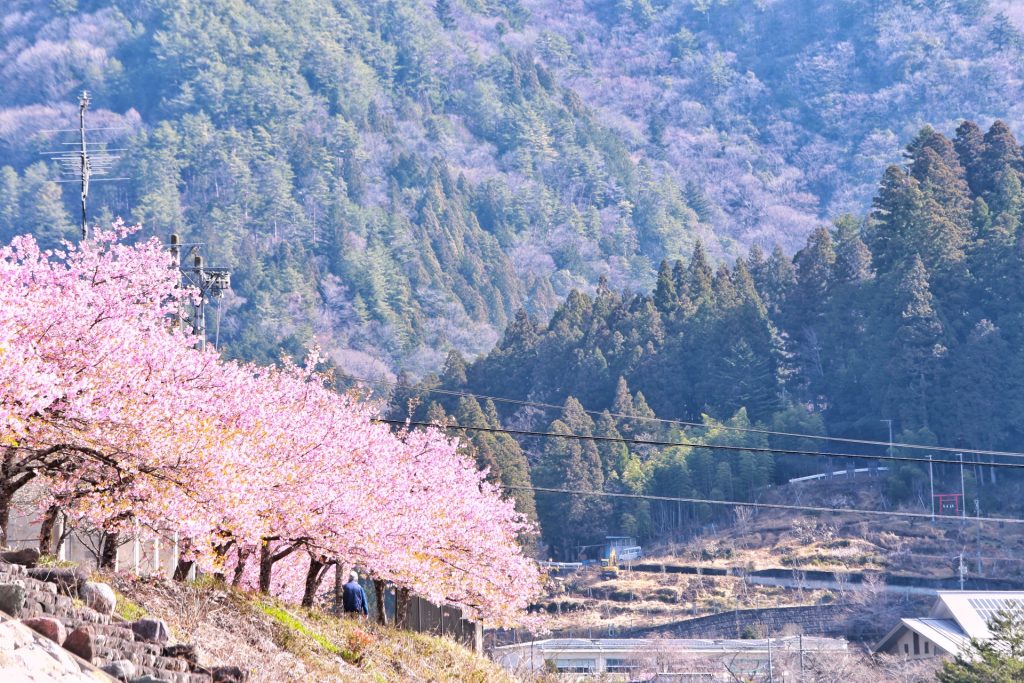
<point x="955" y="618"/>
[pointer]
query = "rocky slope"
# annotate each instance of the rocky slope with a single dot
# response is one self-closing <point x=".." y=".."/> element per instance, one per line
<point x="150" y="630"/>
<point x="69" y="610"/>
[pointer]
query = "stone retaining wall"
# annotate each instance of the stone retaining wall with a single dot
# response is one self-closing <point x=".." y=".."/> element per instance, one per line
<point x="28" y="656"/>
<point x="818" y="620"/>
<point x="136" y="651"/>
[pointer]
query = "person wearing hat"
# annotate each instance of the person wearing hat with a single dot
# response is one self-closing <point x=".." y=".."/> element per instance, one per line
<point x="353" y="597"/>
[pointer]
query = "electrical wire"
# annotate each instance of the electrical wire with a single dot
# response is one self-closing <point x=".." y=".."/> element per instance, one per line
<point x="701" y="425"/>
<point x="720" y="447"/>
<point x="771" y="506"/>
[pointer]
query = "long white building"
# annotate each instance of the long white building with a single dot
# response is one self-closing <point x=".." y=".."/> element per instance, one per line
<point x="678" y="660"/>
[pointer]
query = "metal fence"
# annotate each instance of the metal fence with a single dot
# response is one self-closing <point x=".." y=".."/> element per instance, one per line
<point x="425" y="617"/>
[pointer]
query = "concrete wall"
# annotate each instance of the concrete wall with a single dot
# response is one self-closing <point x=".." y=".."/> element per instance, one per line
<point x="818" y="620"/>
<point x="905" y="647"/>
<point x="144" y="552"/>
<point x="426" y="617"/>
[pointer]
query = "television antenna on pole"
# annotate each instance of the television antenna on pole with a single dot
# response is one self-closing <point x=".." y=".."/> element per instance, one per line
<point x="83" y="163"/>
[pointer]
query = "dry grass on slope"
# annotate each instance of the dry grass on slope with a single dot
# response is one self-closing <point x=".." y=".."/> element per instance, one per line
<point x="278" y="642"/>
<point x="848" y="542"/>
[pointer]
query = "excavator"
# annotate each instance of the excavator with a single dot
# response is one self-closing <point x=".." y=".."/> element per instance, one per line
<point x="610" y="568"/>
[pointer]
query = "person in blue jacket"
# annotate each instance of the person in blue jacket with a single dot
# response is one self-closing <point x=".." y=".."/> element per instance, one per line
<point x="353" y="597"/>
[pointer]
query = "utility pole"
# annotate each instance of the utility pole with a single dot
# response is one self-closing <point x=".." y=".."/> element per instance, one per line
<point x="963" y="491"/>
<point x="82" y="165"/>
<point x="211" y="283"/>
<point x="889" y="422"/>
<point x="199" y="319"/>
<point x="963" y="569"/>
<point x="977" y="543"/>
<point x="83" y="104"/>
<point x="931" y="484"/>
<point x="175" y="249"/>
<point x="801" y="658"/>
<point x="771" y="669"/>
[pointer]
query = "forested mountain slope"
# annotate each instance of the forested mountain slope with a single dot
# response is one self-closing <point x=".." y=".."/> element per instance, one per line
<point x="394" y="179"/>
<point x="911" y="314"/>
<point x="383" y="178"/>
<point x="784" y="111"/>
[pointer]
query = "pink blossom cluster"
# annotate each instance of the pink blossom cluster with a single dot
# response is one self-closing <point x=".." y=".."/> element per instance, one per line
<point x="105" y="398"/>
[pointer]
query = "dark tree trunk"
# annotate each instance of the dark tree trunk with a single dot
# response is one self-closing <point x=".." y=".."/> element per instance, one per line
<point x="65" y="531"/>
<point x="339" y="586"/>
<point x="243" y="558"/>
<point x="402" y="608"/>
<point x="221" y="550"/>
<point x="12" y="478"/>
<point x="46" y="531"/>
<point x="109" y="543"/>
<point x="318" y="566"/>
<point x="380" y="591"/>
<point x="5" y="514"/>
<point x="267" y="560"/>
<point x="184" y="567"/>
<point x="266" y="567"/>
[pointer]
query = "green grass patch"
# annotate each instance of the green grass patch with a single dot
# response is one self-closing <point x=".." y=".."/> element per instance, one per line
<point x="293" y="625"/>
<point x="53" y="561"/>
<point x="127" y="609"/>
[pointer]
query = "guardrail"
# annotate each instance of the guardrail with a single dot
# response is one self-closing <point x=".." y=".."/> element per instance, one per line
<point x="838" y="473"/>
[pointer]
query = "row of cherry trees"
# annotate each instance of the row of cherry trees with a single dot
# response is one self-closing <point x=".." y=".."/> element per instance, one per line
<point x="110" y="405"/>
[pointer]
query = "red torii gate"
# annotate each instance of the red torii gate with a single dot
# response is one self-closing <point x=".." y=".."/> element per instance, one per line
<point x="948" y="503"/>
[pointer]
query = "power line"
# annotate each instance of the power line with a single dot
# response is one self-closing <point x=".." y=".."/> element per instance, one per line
<point x="719" y="447"/>
<point x="772" y="506"/>
<point x="701" y="425"/>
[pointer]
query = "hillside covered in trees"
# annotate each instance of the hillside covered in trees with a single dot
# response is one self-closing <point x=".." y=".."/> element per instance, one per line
<point x="395" y="179"/>
<point x="910" y="313"/>
<point x="381" y="180"/>
<point x="784" y="111"/>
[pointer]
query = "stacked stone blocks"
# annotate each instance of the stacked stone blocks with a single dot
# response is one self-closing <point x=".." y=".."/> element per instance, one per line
<point x="139" y="649"/>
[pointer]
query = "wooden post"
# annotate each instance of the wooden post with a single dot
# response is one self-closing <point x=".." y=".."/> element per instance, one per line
<point x="136" y="550"/>
<point x="156" y="553"/>
<point x="175" y="551"/>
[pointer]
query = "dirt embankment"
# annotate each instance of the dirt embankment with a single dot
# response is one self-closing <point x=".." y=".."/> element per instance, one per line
<point x="279" y="642"/>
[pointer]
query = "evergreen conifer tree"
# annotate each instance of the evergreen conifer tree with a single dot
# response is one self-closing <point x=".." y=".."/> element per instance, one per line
<point x="970" y="148"/>
<point x="853" y="258"/>
<point x="569" y="520"/>
<point x="665" y="290"/>
<point x="917" y="348"/>
<point x="999" y="659"/>
<point x="896" y="211"/>
<point x="700" y="277"/>
<point x="42" y="208"/>
<point x="680" y="283"/>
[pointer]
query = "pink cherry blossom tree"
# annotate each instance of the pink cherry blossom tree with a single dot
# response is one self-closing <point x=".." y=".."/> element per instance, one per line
<point x="126" y="422"/>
